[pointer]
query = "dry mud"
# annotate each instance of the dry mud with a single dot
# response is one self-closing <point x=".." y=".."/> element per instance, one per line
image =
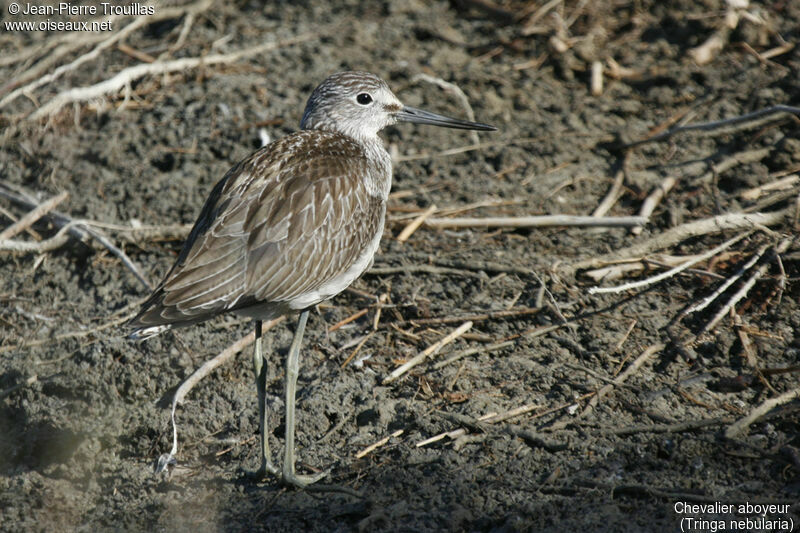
<point x="78" y="442"/>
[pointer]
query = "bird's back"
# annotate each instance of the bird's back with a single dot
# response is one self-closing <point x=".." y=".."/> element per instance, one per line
<point x="289" y="226"/>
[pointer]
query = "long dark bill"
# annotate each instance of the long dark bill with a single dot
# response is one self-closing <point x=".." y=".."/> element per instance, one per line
<point x="418" y="116"/>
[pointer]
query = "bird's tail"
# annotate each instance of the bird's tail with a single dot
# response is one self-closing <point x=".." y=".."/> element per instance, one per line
<point x="141" y="334"/>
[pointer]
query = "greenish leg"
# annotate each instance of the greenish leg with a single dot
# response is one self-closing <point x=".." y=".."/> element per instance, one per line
<point x="292" y="370"/>
<point x="260" y="367"/>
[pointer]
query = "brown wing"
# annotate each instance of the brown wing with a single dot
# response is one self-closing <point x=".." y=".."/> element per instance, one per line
<point x="281" y="223"/>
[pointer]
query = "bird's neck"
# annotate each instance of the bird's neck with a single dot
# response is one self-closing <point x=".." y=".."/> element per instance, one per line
<point x="380" y="163"/>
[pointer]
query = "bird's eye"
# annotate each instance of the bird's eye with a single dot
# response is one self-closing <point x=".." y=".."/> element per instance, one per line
<point x="364" y="99"/>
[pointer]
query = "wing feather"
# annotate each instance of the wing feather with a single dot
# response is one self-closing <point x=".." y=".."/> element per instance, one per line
<point x="281" y="224"/>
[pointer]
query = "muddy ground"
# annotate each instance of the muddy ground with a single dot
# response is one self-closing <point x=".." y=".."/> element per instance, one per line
<point x="83" y="413"/>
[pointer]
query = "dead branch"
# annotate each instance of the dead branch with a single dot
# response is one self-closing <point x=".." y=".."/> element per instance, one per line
<point x="75" y="228"/>
<point x="126" y="76"/>
<point x="415" y="224"/>
<point x="138" y="22"/>
<point x="712" y="46"/>
<point x="634" y="366"/>
<point x="615" y="191"/>
<point x="651" y="202"/>
<point x="741" y="293"/>
<point x="677" y="427"/>
<point x="705" y="302"/>
<point x="673" y="271"/>
<point x="485" y="426"/>
<point x="472" y="351"/>
<point x="74" y="334"/>
<point x="32" y="216"/>
<point x="536" y="222"/>
<point x="374" y="446"/>
<point x="478" y="317"/>
<point x="427" y="269"/>
<point x="430" y="350"/>
<point x="459" y="94"/>
<point x="221" y="358"/>
<point x="732" y="221"/>
<point x="741" y="425"/>
<point x="612" y="272"/>
<point x="718" y="124"/>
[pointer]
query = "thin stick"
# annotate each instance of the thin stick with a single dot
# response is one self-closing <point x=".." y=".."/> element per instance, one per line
<point x="511" y="413"/>
<point x="372" y="447"/>
<point x="354" y="316"/>
<point x="637" y="363"/>
<point x="741" y="293"/>
<point x="221" y="358"/>
<point x="72" y="334"/>
<point x="126" y="76"/>
<point x="48" y="245"/>
<point x="705" y="302"/>
<point x="471" y="351"/>
<point x="492" y="315"/>
<point x="460" y="96"/>
<point x="741" y="425"/>
<point x="430" y="350"/>
<point x="416" y="223"/>
<point x="671" y="272"/>
<point x="76" y="229"/>
<point x="536" y="222"/>
<point x="614" y="192"/>
<point x="32" y="216"/>
<point x="755" y="193"/>
<point x="654" y="198"/>
<point x="732" y="221"/>
<point x="356" y="350"/>
<point x="138" y="22"/>
<point x="453" y="434"/>
<point x="716" y="124"/>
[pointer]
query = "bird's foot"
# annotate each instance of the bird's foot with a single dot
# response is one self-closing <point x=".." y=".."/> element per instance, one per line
<point x="266" y="470"/>
<point x="300" y="481"/>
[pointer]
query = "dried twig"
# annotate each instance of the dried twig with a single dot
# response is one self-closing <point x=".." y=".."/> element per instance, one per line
<point x="140" y="21"/>
<point x="460" y="96"/>
<point x="717" y="124"/>
<point x="434" y="348"/>
<point x="472" y="351"/>
<point x="485" y="425"/>
<point x="169" y="458"/>
<point x="477" y="317"/>
<point x="705" y="302"/>
<point x="75" y="228"/>
<point x="416" y="223"/>
<point x="634" y="366"/>
<point x="717" y="224"/>
<point x="32" y="216"/>
<point x="372" y="447"/>
<point x="673" y="271"/>
<point x="627" y="266"/>
<point x="126" y="76"/>
<point x="221" y="358"/>
<point x="536" y="222"/>
<point x="741" y="425"/>
<point x="741" y="293"/>
<point x="427" y="269"/>
<point x="73" y="334"/>
<point x="615" y="191"/>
